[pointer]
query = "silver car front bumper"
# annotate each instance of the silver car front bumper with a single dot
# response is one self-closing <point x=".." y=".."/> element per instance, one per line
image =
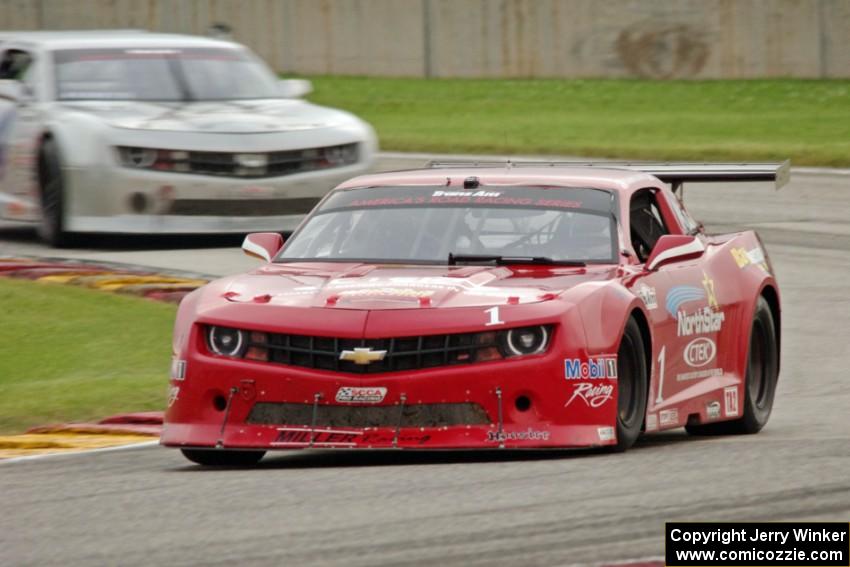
<point x="125" y="200"/>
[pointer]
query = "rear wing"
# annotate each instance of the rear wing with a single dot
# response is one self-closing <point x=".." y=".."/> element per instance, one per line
<point x="676" y="174"/>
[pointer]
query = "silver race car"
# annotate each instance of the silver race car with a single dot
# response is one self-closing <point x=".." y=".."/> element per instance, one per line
<point x="136" y="132"/>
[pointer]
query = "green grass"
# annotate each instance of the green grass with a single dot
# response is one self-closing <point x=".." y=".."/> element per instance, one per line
<point x="69" y="353"/>
<point x="805" y="120"/>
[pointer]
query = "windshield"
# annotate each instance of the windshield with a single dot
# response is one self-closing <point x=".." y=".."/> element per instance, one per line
<point x="427" y="224"/>
<point x="162" y="75"/>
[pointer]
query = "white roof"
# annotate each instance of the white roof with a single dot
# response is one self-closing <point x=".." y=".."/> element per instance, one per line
<point x="72" y="39"/>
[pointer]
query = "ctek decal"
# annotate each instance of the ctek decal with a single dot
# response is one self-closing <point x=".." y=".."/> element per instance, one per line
<point x="730" y="399"/>
<point x="668" y="417"/>
<point x="700" y="352"/>
<point x="647" y="294"/>
<point x="701" y="321"/>
<point x="599" y="369"/>
<point x="298" y="436"/>
<point x="527" y="435"/>
<point x="681" y="294"/>
<point x="712" y="410"/>
<point x="592" y="394"/>
<point x="652" y="422"/>
<point x="605" y="433"/>
<point x="351" y="395"/>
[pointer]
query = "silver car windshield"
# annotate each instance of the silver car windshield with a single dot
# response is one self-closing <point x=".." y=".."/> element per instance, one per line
<point x="161" y="75"/>
<point x="425" y="225"/>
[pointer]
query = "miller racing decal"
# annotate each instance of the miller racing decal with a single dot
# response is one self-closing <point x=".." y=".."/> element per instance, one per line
<point x="351" y="395"/>
<point x="604" y="367"/>
<point x="300" y="437"/>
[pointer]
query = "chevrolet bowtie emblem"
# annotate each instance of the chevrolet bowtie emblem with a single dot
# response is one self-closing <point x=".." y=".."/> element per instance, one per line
<point x="362" y="355"/>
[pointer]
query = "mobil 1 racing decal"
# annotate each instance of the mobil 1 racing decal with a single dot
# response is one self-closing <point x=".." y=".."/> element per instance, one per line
<point x="593" y="394"/>
<point x="601" y="368"/>
<point x="695" y="320"/>
<point x="591" y="391"/>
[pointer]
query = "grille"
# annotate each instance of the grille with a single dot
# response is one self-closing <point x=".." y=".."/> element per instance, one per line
<point x="277" y="163"/>
<point x="407" y="353"/>
<point x="245" y="165"/>
<point x="244" y="208"/>
<point x="418" y="415"/>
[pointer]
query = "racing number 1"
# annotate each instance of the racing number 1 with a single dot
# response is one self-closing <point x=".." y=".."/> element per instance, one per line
<point x="658" y="398"/>
<point x="494" y="317"/>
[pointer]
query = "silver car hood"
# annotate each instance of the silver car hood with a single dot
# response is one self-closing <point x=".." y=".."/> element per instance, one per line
<point x="225" y="117"/>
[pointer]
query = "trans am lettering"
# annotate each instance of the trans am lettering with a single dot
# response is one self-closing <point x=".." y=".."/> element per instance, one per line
<point x="702" y="321"/>
<point x="593" y="395"/>
<point x="599" y="369"/>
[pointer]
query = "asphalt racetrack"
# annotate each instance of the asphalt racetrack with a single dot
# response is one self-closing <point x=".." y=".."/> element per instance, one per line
<point x="149" y="506"/>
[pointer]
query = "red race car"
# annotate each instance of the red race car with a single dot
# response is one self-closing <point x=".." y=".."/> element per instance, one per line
<point x="476" y="305"/>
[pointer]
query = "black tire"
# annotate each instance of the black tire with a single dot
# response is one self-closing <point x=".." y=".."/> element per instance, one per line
<point x="761" y="379"/>
<point x="631" y="386"/>
<point x="223" y="457"/>
<point x="52" y="226"/>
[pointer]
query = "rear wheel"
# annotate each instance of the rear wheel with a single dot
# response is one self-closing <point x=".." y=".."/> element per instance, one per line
<point x="631" y="386"/>
<point x="52" y="226"/>
<point x="762" y="376"/>
<point x="222" y="457"/>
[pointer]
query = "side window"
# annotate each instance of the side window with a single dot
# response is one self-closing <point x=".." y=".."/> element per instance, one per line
<point x="14" y="64"/>
<point x="685" y="219"/>
<point x="646" y="222"/>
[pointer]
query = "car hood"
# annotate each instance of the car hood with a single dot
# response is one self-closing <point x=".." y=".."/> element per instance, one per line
<point x="225" y="117"/>
<point x="376" y="287"/>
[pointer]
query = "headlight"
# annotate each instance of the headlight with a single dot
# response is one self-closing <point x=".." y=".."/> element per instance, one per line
<point x="525" y="341"/>
<point x="138" y="157"/>
<point x="226" y="341"/>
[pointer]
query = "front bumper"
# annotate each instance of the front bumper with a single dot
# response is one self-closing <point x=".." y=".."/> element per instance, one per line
<point x="125" y="200"/>
<point x="511" y="403"/>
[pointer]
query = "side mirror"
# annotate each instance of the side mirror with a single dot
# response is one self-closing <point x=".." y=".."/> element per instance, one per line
<point x="672" y="248"/>
<point x="262" y="245"/>
<point x="295" y="88"/>
<point x="11" y="90"/>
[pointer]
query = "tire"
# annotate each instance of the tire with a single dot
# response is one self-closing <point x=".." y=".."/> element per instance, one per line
<point x="632" y="386"/>
<point x="761" y="379"/>
<point x="52" y="226"/>
<point x="223" y="457"/>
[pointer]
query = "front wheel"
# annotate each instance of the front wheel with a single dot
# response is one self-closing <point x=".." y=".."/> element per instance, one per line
<point x="223" y="457"/>
<point x="51" y="185"/>
<point x="762" y="376"/>
<point x="631" y="386"/>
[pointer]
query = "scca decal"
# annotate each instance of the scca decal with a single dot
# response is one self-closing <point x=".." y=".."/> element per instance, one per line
<point x="599" y="369"/>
